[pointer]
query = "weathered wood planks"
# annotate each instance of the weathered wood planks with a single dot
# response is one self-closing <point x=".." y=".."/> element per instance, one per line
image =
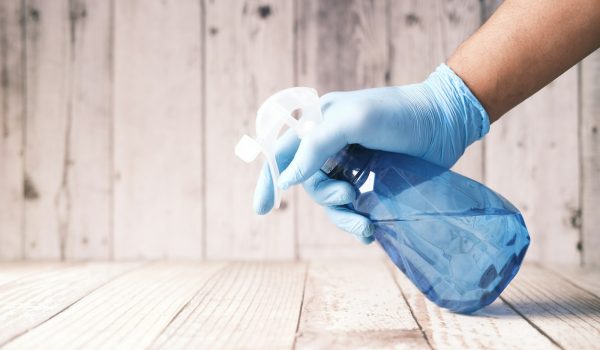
<point x="12" y="123"/>
<point x="340" y="45"/>
<point x="247" y="305"/>
<point x="589" y="140"/>
<point x="282" y="305"/>
<point x="249" y="56"/>
<point x="128" y="312"/>
<point x="158" y="138"/>
<point x="47" y="127"/>
<point x="87" y="180"/>
<point x="355" y="304"/>
<point x="66" y="180"/>
<point x="532" y="158"/>
<point x="118" y="119"/>
<point x="565" y="312"/>
<point x="31" y="300"/>
<point x="496" y="327"/>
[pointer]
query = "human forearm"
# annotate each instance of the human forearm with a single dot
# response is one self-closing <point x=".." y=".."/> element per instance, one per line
<point x="525" y="45"/>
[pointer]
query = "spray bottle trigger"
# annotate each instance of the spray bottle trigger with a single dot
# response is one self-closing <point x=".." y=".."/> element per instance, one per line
<point x="274" y="114"/>
<point x="247" y="149"/>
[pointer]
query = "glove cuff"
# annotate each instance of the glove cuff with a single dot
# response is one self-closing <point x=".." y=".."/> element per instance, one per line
<point x="477" y="121"/>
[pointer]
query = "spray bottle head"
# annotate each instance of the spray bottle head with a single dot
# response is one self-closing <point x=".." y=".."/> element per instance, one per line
<point x="278" y="111"/>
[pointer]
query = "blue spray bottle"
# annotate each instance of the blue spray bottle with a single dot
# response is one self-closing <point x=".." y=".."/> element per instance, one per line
<point x="458" y="241"/>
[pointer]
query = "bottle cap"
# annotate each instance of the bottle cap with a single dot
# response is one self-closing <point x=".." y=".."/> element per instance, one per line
<point x="297" y="108"/>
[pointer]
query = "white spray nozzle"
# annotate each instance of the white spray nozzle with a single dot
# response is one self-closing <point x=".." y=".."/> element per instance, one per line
<point x="297" y="108"/>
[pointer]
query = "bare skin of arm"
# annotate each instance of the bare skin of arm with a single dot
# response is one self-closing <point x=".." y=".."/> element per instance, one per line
<point x="524" y="46"/>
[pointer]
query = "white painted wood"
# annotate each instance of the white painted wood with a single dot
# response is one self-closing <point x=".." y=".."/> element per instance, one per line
<point x="129" y="312"/>
<point x="341" y="45"/>
<point x="249" y="56"/>
<point x="532" y="159"/>
<point x="30" y="301"/>
<point x="355" y="304"/>
<point x="12" y="271"/>
<point x="248" y="305"/>
<point x="56" y="143"/>
<point x="423" y="34"/>
<point x="345" y="304"/>
<point x="585" y="278"/>
<point x="12" y="103"/>
<point x="89" y="109"/>
<point x="68" y="154"/>
<point x="494" y="327"/>
<point x="589" y="134"/>
<point x="158" y="142"/>
<point x="564" y="312"/>
<point x="47" y="128"/>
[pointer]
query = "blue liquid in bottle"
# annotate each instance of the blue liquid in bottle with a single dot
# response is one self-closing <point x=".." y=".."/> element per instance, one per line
<point x="458" y="241"/>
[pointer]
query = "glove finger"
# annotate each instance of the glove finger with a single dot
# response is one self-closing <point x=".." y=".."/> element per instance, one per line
<point x="264" y="195"/>
<point x="328" y="192"/>
<point x="314" y="149"/>
<point x="351" y="222"/>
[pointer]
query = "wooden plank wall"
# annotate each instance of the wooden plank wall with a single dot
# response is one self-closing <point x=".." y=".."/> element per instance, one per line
<point x="249" y="56"/>
<point x="119" y="119"/>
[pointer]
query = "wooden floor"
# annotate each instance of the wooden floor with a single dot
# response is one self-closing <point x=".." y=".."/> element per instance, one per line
<point x="339" y="304"/>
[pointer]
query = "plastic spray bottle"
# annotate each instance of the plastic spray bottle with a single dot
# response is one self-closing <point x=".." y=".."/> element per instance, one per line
<point x="458" y="241"/>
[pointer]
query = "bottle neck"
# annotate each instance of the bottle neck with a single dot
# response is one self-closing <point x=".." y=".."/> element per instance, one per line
<point x="349" y="164"/>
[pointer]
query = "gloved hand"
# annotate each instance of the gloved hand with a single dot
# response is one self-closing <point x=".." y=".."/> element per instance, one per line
<point x="435" y="120"/>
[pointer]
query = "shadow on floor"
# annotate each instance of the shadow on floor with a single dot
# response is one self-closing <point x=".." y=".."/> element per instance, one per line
<point x="577" y="306"/>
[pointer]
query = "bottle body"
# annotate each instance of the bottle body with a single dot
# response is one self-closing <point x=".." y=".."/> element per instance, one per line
<point x="458" y="241"/>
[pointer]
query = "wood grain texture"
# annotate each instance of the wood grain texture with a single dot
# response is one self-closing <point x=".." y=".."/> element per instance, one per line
<point x="355" y="304"/>
<point x="589" y="135"/>
<point x="108" y="149"/>
<point x="12" y="271"/>
<point x="585" y="278"/>
<point x="423" y="34"/>
<point x="158" y="142"/>
<point x="129" y="312"/>
<point x="532" y="159"/>
<point x="30" y="301"/>
<point x="87" y="178"/>
<point x="495" y="327"/>
<point x="68" y="155"/>
<point x="249" y="56"/>
<point x="282" y="305"/>
<point x="247" y="305"/>
<point x="48" y="120"/>
<point x="12" y="115"/>
<point x="567" y="314"/>
<point x="340" y="45"/>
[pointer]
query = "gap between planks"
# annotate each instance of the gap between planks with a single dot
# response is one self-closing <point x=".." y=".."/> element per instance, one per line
<point x="32" y="299"/>
<point x="324" y="304"/>
<point x="228" y="304"/>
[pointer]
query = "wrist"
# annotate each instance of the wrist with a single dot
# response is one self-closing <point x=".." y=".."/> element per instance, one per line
<point x="460" y="118"/>
<point x="460" y="101"/>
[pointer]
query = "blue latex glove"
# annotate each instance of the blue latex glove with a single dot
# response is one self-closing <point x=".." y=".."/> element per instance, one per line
<point x="435" y="120"/>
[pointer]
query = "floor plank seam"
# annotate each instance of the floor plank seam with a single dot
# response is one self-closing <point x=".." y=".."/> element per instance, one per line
<point x="235" y="304"/>
<point x="153" y="343"/>
<point x="565" y="307"/>
<point x="410" y="308"/>
<point x="204" y="311"/>
<point x="11" y="339"/>
<point x="532" y="323"/>
<point x="571" y="282"/>
<point x="122" y="312"/>
<point x="306" y="267"/>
